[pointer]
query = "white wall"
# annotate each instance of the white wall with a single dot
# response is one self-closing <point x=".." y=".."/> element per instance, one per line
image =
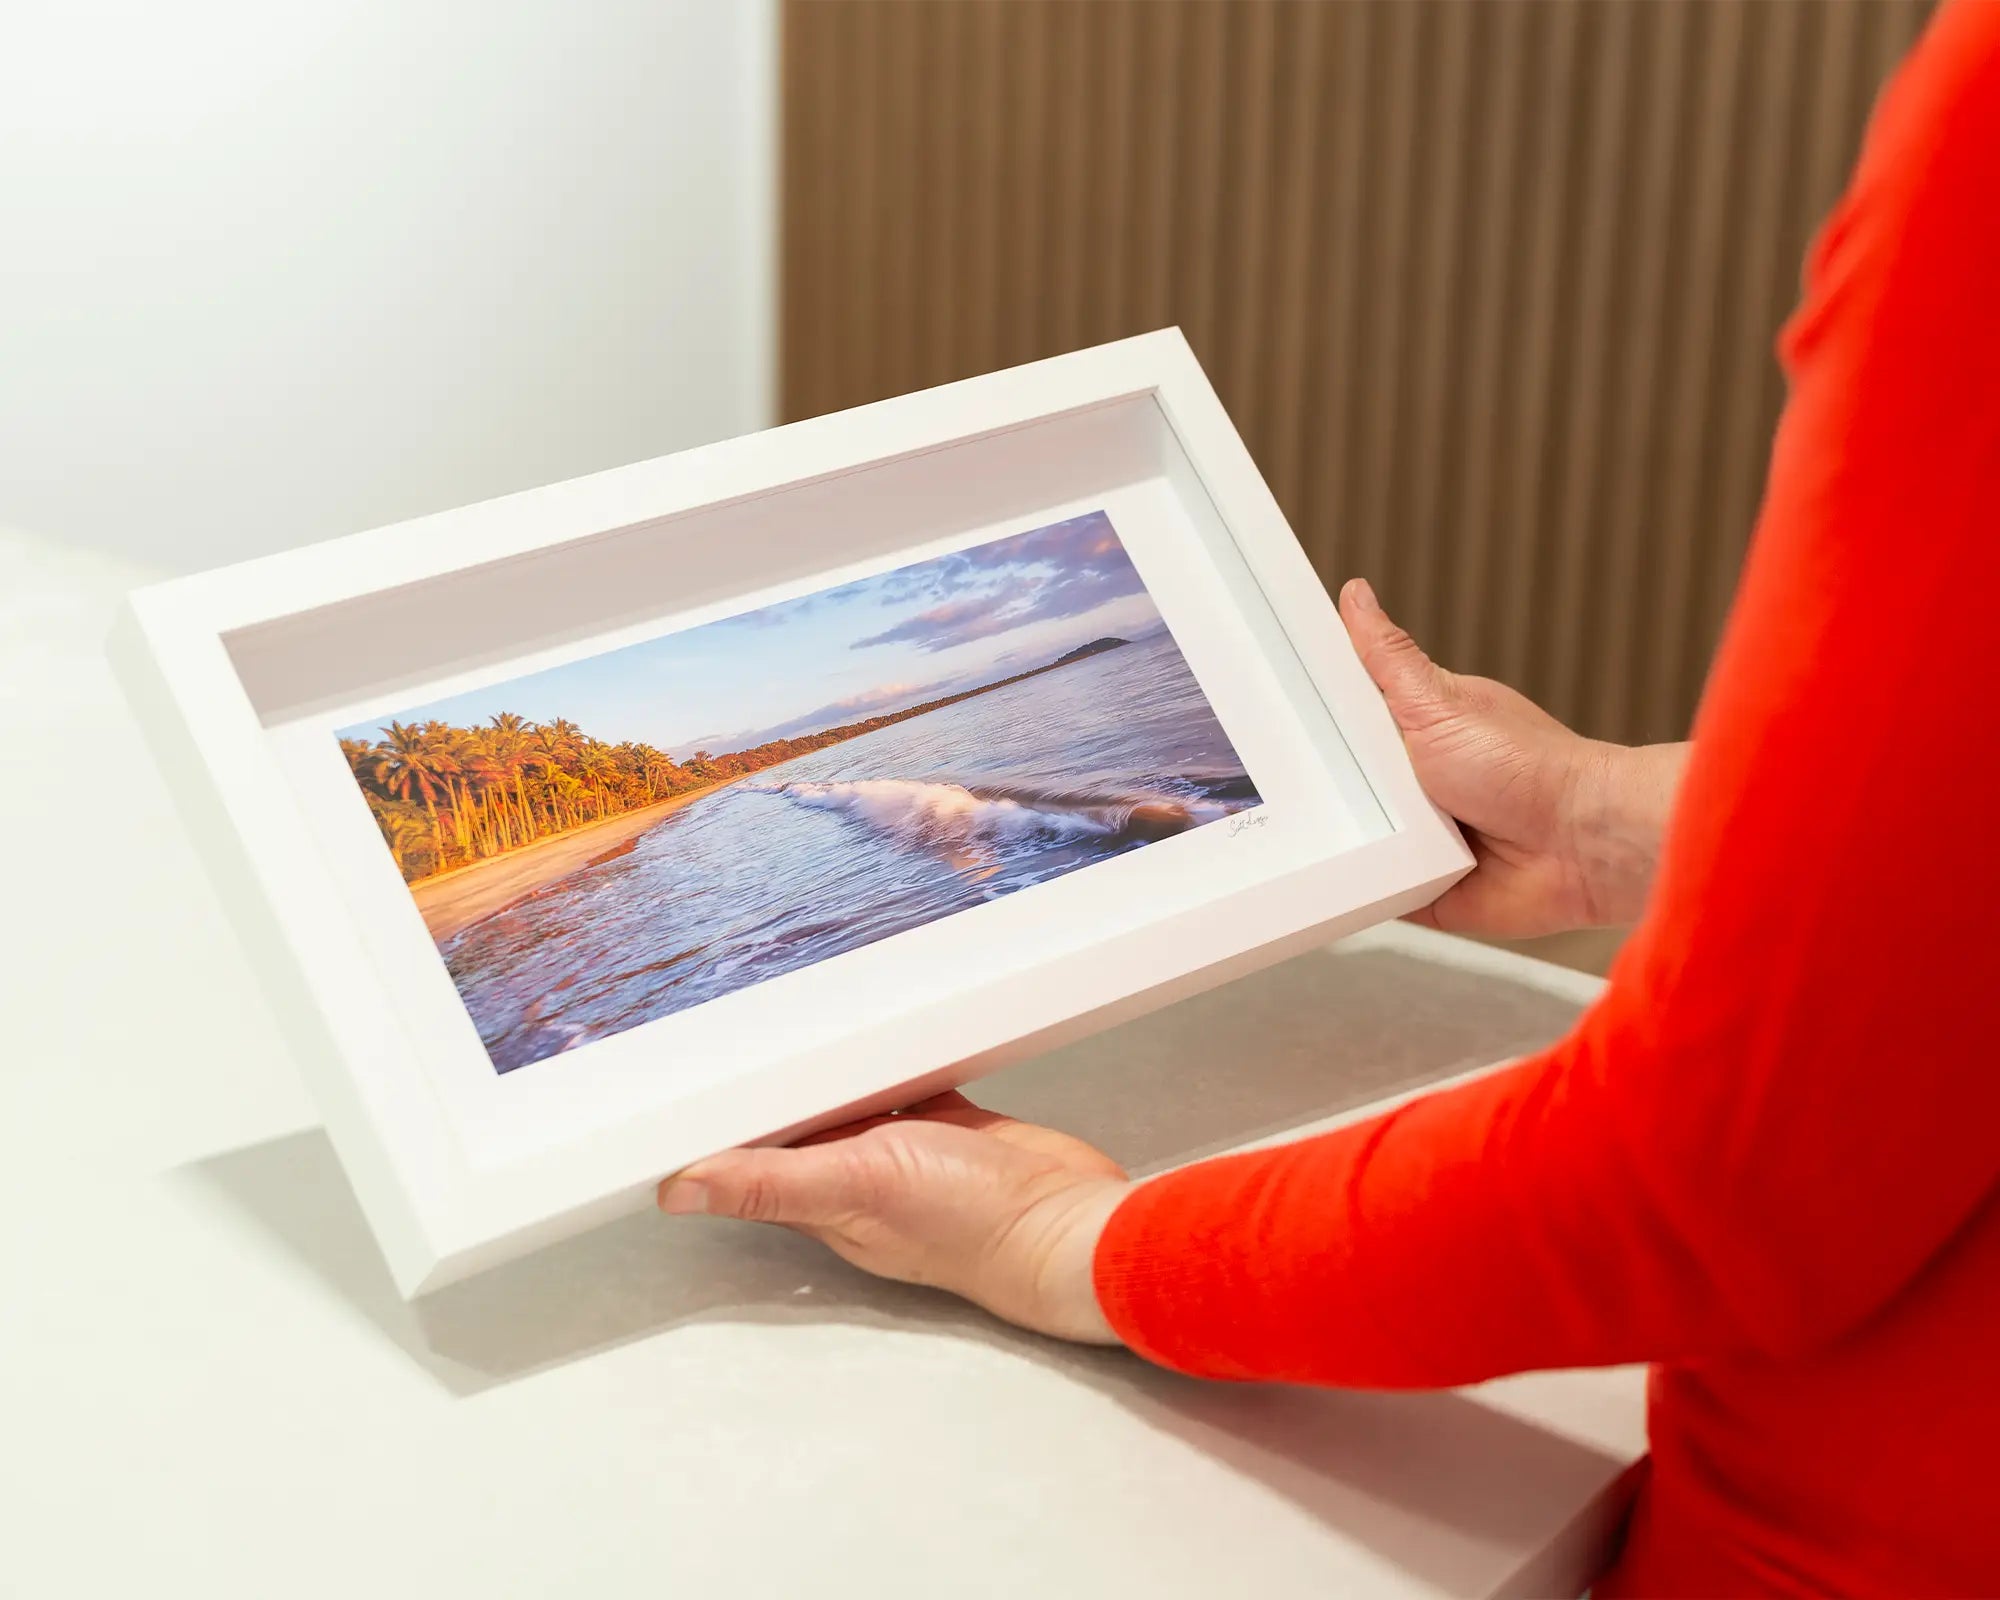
<point x="271" y="271"/>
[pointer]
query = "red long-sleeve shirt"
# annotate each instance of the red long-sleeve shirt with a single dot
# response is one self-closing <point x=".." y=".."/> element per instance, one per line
<point x="1768" y="1160"/>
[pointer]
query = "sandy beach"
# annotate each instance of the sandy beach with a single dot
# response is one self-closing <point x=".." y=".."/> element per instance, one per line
<point x="452" y="901"/>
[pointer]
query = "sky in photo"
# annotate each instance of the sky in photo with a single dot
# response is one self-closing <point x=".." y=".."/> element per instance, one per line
<point x="841" y="654"/>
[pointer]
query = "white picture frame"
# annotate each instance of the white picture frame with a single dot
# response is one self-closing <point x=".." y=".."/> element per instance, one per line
<point x="240" y="677"/>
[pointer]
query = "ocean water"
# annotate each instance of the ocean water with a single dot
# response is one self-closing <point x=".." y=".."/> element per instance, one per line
<point x="837" y="849"/>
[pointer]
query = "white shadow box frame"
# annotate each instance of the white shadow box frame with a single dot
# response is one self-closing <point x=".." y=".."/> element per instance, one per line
<point x="242" y="675"/>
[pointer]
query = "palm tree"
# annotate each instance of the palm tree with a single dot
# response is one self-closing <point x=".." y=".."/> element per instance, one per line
<point x="507" y="744"/>
<point x="631" y="760"/>
<point x="659" y="771"/>
<point x="595" y="766"/>
<point x="404" y="833"/>
<point x="540" y="757"/>
<point x="486" y="761"/>
<point x="569" y="794"/>
<point x="463" y="822"/>
<point x="555" y="746"/>
<point x="412" y="763"/>
<point x="458" y="787"/>
<point x="561" y="738"/>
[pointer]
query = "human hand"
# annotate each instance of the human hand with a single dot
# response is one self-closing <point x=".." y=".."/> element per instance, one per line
<point x="1005" y="1213"/>
<point x="1566" y="830"/>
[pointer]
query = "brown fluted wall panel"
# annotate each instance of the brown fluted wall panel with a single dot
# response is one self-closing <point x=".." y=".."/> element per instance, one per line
<point x="1490" y="286"/>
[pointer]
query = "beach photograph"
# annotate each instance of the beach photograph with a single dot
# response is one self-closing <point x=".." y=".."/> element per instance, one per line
<point x="623" y="837"/>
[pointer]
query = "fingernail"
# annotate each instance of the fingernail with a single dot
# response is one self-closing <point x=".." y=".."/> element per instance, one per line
<point x="1363" y="594"/>
<point x="684" y="1197"/>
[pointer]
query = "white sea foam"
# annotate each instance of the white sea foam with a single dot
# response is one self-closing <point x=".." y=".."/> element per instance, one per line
<point x="952" y="815"/>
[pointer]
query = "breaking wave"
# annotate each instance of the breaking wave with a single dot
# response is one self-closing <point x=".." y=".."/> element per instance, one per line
<point x="953" y="815"/>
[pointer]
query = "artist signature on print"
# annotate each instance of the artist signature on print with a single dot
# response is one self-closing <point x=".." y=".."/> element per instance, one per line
<point x="1255" y="819"/>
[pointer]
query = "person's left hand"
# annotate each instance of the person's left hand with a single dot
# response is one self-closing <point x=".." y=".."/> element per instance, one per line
<point x="1005" y="1213"/>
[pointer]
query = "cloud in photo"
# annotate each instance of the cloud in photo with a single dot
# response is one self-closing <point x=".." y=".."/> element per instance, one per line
<point x="1064" y="570"/>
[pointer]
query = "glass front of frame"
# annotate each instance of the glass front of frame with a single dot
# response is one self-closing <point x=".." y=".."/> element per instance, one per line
<point x="621" y="838"/>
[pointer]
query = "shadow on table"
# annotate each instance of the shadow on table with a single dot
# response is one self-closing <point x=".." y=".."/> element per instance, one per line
<point x="1326" y="1032"/>
<point x="1302" y="1041"/>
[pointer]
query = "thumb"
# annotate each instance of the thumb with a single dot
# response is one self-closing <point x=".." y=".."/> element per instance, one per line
<point x="1418" y="690"/>
<point x="808" y="1186"/>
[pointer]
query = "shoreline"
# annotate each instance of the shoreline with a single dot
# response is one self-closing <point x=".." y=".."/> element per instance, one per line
<point x="450" y="902"/>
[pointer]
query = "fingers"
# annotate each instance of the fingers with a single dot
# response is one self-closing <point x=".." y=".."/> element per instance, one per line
<point x="951" y="1106"/>
<point x="1417" y="690"/>
<point x="950" y="1100"/>
<point x="845" y="1130"/>
<point x="807" y="1187"/>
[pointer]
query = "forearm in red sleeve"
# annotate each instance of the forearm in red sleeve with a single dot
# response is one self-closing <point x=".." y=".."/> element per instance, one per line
<point x="1785" y="1102"/>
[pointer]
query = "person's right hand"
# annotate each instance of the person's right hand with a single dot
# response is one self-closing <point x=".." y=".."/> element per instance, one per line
<point x="1566" y="830"/>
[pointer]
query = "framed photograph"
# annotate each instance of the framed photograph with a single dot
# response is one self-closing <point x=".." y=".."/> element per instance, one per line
<point x="711" y="800"/>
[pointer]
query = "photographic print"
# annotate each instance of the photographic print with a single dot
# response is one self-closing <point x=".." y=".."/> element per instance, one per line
<point x="621" y="838"/>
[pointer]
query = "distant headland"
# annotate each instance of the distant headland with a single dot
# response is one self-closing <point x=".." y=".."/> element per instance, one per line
<point x="1096" y="647"/>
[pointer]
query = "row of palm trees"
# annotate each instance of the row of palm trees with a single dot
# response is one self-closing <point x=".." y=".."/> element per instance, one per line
<point x="444" y="796"/>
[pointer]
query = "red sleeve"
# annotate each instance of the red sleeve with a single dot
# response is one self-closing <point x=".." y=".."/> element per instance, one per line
<point x="1786" y="1100"/>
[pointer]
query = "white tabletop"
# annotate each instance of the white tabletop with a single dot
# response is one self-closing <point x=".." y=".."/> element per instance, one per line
<point x="209" y="1386"/>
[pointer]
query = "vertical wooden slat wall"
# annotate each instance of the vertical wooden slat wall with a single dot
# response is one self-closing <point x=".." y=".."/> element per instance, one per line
<point x="1490" y="286"/>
